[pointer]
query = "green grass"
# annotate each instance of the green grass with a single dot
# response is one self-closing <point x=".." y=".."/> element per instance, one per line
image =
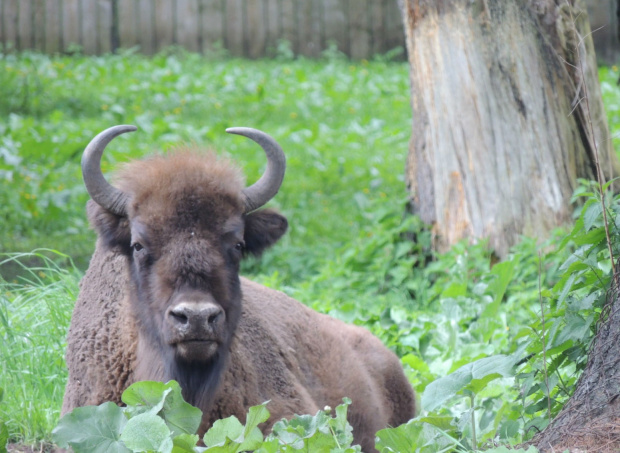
<point x="345" y="128"/>
<point x="34" y="317"/>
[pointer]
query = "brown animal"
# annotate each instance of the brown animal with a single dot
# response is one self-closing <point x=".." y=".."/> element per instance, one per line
<point x="162" y="299"/>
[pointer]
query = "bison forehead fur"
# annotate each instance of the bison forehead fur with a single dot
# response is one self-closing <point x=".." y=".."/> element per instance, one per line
<point x="162" y="299"/>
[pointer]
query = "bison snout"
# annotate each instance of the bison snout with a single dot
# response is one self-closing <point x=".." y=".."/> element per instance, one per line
<point x="195" y="330"/>
<point x="195" y="316"/>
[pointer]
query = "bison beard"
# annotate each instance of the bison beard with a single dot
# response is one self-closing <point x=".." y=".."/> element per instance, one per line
<point x="164" y="280"/>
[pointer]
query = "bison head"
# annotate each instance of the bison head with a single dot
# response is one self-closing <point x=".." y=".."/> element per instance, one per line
<point x="184" y="221"/>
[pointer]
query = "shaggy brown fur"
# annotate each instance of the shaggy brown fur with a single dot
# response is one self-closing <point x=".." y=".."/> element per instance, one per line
<point x="186" y="212"/>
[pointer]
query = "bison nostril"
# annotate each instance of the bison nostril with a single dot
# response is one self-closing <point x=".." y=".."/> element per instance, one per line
<point x="213" y="317"/>
<point x="179" y="316"/>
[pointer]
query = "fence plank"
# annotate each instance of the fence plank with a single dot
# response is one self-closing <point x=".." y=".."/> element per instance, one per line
<point x="24" y="31"/>
<point x="70" y="24"/>
<point x="256" y="35"/>
<point x="309" y="32"/>
<point x="53" y="12"/>
<point x="394" y="29"/>
<point x="187" y="28"/>
<point x="234" y="27"/>
<point x="10" y="14"/>
<point x="104" y="26"/>
<point x="88" y="22"/>
<point x="271" y="23"/>
<point x="359" y="29"/>
<point x="164" y="24"/>
<point x="128" y="11"/>
<point x="146" y="18"/>
<point x="377" y="30"/>
<point x="212" y="24"/>
<point x="289" y="22"/>
<point x="336" y="26"/>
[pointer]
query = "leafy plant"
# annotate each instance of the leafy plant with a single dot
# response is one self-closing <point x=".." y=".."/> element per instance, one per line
<point x="157" y="419"/>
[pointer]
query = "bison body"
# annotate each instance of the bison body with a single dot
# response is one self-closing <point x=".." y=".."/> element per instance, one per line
<point x="162" y="299"/>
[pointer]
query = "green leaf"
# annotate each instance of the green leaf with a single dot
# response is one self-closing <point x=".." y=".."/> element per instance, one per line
<point x="403" y="438"/>
<point x="185" y="443"/>
<point x="223" y="431"/>
<point x="446" y="387"/>
<point x="165" y="400"/>
<point x="497" y="288"/>
<point x="92" y="429"/>
<point x="591" y="214"/>
<point x="147" y="432"/>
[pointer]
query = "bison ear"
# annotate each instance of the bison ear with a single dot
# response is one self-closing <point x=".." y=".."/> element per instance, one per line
<point x="113" y="230"/>
<point x="263" y="228"/>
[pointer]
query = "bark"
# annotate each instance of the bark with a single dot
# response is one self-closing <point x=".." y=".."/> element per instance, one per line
<point x="500" y="128"/>
<point x="590" y="420"/>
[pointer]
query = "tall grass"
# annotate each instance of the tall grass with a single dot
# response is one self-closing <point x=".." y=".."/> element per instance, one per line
<point x="34" y="317"/>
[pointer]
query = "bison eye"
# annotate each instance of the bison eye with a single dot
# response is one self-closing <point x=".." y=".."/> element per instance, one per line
<point x="239" y="246"/>
<point x="136" y="246"/>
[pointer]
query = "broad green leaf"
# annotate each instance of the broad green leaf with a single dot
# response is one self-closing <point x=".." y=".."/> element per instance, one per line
<point x="223" y="431"/>
<point x="442" y="422"/>
<point x="147" y="433"/>
<point x="591" y="214"/>
<point x="167" y="401"/>
<point x="185" y="443"/>
<point x="92" y="429"/>
<point x="446" y="387"/>
<point x="145" y="396"/>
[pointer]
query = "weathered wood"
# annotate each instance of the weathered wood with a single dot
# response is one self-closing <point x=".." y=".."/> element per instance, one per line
<point x="273" y="25"/>
<point x="393" y="26"/>
<point x="104" y="26"/>
<point x="88" y="22"/>
<point x="9" y="25"/>
<point x="250" y="28"/>
<point x="603" y="16"/>
<point x="25" y="28"/>
<point x="164" y="24"/>
<point x="308" y="32"/>
<point x="127" y="24"/>
<point x="377" y="30"/>
<point x="234" y="19"/>
<point x="255" y="28"/>
<point x="188" y="32"/>
<point x="336" y="24"/>
<point x="495" y="151"/>
<point x="359" y="29"/>
<point x="70" y="24"/>
<point x="146" y="25"/>
<point x="289" y="23"/>
<point x="213" y="24"/>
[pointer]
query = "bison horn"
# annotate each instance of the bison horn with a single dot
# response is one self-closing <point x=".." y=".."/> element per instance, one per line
<point x="268" y="185"/>
<point x="107" y="196"/>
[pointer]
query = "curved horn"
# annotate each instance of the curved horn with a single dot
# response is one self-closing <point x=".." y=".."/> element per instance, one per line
<point x="98" y="188"/>
<point x="268" y="185"/>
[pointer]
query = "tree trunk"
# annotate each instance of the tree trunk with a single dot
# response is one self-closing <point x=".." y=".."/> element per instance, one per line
<point x="590" y="420"/>
<point x="501" y="129"/>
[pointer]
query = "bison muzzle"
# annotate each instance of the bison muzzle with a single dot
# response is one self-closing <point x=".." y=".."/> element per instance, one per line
<point x="162" y="299"/>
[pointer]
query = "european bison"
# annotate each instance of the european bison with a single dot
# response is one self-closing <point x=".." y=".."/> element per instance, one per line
<point x="163" y="299"/>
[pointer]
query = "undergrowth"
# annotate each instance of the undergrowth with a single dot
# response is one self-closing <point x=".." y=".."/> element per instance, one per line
<point x="469" y="333"/>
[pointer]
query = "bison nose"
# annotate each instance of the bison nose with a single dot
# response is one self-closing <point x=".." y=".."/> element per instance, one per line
<point x="195" y="315"/>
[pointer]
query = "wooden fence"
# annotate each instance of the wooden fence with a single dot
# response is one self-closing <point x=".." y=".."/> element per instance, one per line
<point x="250" y="28"/>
